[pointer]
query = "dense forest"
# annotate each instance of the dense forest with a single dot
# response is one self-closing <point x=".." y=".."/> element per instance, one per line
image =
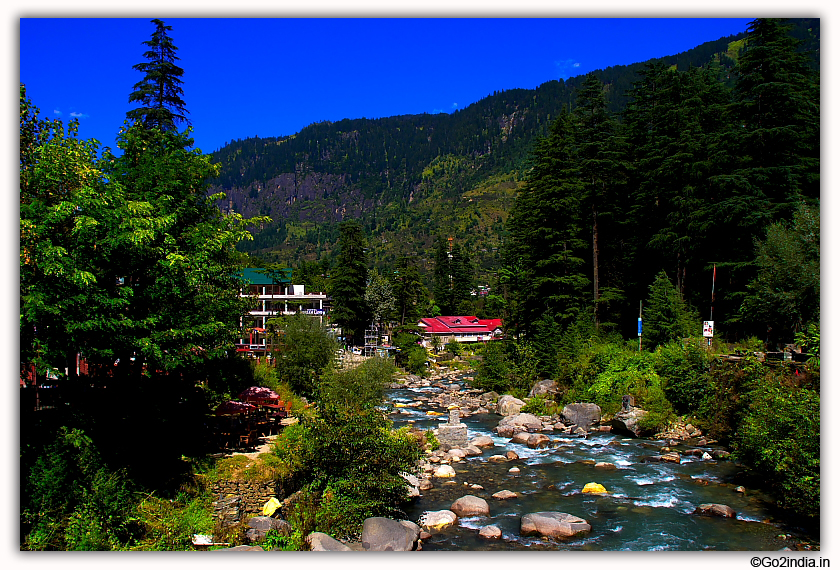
<point x="678" y="158"/>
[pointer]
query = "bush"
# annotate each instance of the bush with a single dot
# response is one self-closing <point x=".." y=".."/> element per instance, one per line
<point x="606" y="372"/>
<point x="357" y="388"/>
<point x="454" y="347"/>
<point x="276" y="541"/>
<point x="169" y="525"/>
<point x="779" y="437"/>
<point x="346" y="461"/>
<point x="75" y="502"/>
<point x="684" y="369"/>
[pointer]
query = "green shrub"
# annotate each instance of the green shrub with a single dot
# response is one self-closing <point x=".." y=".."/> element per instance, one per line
<point x="75" y="502"/>
<point x="169" y="525"/>
<point x="684" y="369"/>
<point x="454" y="347"/>
<point x="432" y="442"/>
<point x="779" y="437"/>
<point x="347" y="462"/>
<point x="276" y="541"/>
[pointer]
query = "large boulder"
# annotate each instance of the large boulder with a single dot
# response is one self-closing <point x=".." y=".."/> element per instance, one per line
<point x="258" y="527"/>
<point x="438" y="519"/>
<point x="552" y="524"/>
<point x="490" y="531"/>
<point x="383" y="534"/>
<point x="543" y="388"/>
<point x="508" y="405"/>
<point x="445" y="471"/>
<point x="627" y="422"/>
<point x="321" y="542"/>
<point x="483" y="441"/>
<point x="715" y="510"/>
<point x="511" y="425"/>
<point x="584" y="415"/>
<point x="470" y="506"/>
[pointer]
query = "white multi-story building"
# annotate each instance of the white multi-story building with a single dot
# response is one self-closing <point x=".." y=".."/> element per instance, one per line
<point x="276" y="296"/>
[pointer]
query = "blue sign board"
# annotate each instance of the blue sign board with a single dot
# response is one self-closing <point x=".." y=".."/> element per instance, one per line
<point x="640" y="326"/>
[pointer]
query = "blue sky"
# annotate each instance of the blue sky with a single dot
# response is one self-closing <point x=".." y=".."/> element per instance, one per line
<point x="272" y="77"/>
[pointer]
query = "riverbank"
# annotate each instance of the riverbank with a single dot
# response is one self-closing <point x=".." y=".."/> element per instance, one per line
<point x="655" y="486"/>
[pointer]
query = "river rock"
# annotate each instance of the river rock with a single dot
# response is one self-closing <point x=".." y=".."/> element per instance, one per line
<point x="497" y="458"/>
<point x="488" y="397"/>
<point x="538" y="440"/>
<point x="445" y="471"/>
<point x="241" y="548"/>
<point x="511" y="455"/>
<point x="321" y="542"/>
<point x="605" y="465"/>
<point x="502" y="495"/>
<point x="516" y="423"/>
<point x="521" y="437"/>
<point x="470" y="506"/>
<point x="490" y="532"/>
<point x="258" y="527"/>
<point x="595" y="488"/>
<point x="552" y="524"/>
<point x="627" y="422"/>
<point x="542" y="388"/>
<point x="715" y="510"/>
<point x="581" y="414"/>
<point x="483" y="441"/>
<point x="383" y="534"/>
<point x="508" y="405"/>
<point x="438" y="519"/>
<point x="514" y="470"/>
<point x="472" y="451"/>
<point x="672" y="457"/>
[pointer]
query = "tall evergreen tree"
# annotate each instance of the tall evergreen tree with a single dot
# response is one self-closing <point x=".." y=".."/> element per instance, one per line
<point x="548" y="234"/>
<point x="159" y="92"/>
<point x="776" y="104"/>
<point x="603" y="170"/>
<point x="410" y="294"/>
<point x="442" y="278"/>
<point x="349" y="280"/>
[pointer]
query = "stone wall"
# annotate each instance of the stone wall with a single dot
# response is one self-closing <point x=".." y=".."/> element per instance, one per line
<point x="252" y="496"/>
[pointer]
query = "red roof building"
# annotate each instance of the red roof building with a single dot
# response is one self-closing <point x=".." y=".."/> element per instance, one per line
<point x="461" y="328"/>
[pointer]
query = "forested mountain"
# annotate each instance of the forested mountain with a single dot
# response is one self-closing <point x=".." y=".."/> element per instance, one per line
<point x="415" y="178"/>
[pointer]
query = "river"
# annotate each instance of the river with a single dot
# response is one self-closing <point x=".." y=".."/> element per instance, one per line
<point x="649" y="507"/>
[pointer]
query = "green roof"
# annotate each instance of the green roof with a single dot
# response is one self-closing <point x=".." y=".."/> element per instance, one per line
<point x="258" y="276"/>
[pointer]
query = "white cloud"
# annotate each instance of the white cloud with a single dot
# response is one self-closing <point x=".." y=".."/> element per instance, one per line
<point x="78" y="115"/>
<point x="56" y="111"/>
<point x="566" y="67"/>
<point x="454" y="105"/>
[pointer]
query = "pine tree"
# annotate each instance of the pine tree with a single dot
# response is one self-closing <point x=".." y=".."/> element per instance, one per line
<point x="159" y="92"/>
<point x="548" y="233"/>
<point x="603" y="170"/>
<point x="776" y="104"/>
<point x="410" y="293"/>
<point x="348" y="282"/>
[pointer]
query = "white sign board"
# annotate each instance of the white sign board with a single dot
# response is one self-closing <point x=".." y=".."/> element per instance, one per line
<point x="708" y="329"/>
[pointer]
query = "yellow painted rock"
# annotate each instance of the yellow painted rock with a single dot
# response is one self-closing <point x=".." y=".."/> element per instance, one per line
<point x="271" y="506"/>
<point x="453" y="407"/>
<point x="594" y="488"/>
<point x="399" y="405"/>
<point x="432" y="413"/>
